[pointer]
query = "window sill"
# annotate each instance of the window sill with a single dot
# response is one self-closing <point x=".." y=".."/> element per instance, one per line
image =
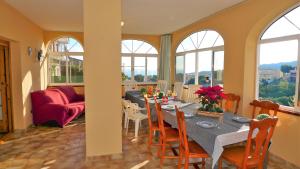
<point x="66" y="84"/>
<point x="287" y="110"/>
<point x="143" y="83"/>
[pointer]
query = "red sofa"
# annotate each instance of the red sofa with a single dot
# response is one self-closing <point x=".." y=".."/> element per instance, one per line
<point x="61" y="104"/>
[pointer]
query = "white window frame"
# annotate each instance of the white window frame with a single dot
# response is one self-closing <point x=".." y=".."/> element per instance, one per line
<point x="274" y="40"/>
<point x="134" y="55"/>
<point x="62" y="54"/>
<point x="196" y="51"/>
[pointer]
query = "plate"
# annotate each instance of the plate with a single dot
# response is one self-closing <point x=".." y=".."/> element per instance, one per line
<point x="241" y="119"/>
<point x="188" y="115"/>
<point x="168" y="107"/>
<point x="206" y="124"/>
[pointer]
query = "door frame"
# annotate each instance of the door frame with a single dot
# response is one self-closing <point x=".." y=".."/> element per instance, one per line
<point x="8" y="70"/>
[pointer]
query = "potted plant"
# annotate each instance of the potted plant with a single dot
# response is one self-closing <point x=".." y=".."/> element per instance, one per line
<point x="209" y="100"/>
<point x="143" y="91"/>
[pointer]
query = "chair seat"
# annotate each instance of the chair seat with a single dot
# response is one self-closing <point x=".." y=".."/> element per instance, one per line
<point x="196" y="150"/>
<point x="235" y="155"/>
<point x="138" y="115"/>
<point x="172" y="134"/>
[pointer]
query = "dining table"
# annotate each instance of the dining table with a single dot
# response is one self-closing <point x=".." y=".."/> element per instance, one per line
<point x="214" y="138"/>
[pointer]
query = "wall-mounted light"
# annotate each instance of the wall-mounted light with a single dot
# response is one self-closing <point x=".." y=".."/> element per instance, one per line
<point x="39" y="55"/>
<point x="122" y="23"/>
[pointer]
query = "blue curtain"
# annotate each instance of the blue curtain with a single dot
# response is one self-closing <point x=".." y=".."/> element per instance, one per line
<point x="165" y="55"/>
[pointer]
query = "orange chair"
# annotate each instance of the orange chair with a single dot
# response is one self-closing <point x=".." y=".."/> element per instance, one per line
<point x="252" y="155"/>
<point x="265" y="107"/>
<point x="230" y="100"/>
<point x="167" y="135"/>
<point x="188" y="149"/>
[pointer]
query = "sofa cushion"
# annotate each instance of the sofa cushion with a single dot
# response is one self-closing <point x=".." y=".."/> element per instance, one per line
<point x="75" y="108"/>
<point x="69" y="92"/>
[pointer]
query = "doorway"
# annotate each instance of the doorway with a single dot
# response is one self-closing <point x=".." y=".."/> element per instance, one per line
<point x="5" y="99"/>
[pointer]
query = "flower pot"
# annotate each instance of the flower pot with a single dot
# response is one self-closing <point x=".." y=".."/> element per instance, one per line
<point x="210" y="114"/>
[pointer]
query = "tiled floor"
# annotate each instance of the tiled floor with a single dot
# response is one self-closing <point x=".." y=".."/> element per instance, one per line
<point x="56" y="148"/>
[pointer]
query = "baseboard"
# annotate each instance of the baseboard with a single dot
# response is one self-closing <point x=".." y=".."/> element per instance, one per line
<point x="281" y="162"/>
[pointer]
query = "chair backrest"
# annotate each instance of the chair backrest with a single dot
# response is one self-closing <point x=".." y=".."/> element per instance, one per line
<point x="125" y="105"/>
<point x="130" y="85"/>
<point x="147" y="105"/>
<point x="191" y="96"/>
<point x="265" y="106"/>
<point x="231" y="103"/>
<point x="132" y="109"/>
<point x="160" y="119"/>
<point x="184" y="146"/>
<point x="178" y="88"/>
<point x="162" y="85"/>
<point x="257" y="146"/>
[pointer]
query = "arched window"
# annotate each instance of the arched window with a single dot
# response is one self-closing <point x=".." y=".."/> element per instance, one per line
<point x="200" y="59"/>
<point x="278" y="61"/>
<point x="65" y="62"/>
<point x="139" y="61"/>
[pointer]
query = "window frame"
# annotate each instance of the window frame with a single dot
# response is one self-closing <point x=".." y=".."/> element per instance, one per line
<point x="196" y="51"/>
<point x="145" y="55"/>
<point x="295" y="110"/>
<point x="62" y="54"/>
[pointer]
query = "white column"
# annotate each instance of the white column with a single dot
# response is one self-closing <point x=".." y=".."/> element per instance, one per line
<point x="102" y="76"/>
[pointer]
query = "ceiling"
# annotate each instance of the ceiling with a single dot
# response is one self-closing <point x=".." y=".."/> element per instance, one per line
<point x="140" y="16"/>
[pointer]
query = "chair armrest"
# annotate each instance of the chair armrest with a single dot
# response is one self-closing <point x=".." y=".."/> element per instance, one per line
<point x="53" y="108"/>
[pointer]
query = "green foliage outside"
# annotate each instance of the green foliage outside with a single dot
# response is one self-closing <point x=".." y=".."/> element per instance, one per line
<point x="279" y="90"/>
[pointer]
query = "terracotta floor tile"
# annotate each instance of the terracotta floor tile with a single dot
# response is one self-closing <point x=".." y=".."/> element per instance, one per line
<point x="56" y="148"/>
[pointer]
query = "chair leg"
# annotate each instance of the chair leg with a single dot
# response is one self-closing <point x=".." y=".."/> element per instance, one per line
<point x="180" y="158"/>
<point x="162" y="155"/>
<point x="127" y="123"/>
<point x="220" y="163"/>
<point x="136" y="131"/>
<point x="186" y="161"/>
<point x="203" y="163"/>
<point x="125" y="120"/>
<point x="150" y="138"/>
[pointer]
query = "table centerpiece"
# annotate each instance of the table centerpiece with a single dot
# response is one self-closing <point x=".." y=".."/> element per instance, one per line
<point x="210" y="98"/>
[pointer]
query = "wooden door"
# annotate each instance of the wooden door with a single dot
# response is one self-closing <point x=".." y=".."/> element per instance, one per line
<point x="4" y="106"/>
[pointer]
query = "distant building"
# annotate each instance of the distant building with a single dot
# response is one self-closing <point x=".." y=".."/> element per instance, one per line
<point x="292" y="75"/>
<point x="269" y="74"/>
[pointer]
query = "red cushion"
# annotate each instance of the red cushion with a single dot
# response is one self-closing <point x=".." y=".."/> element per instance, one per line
<point x="69" y="92"/>
<point x="75" y="108"/>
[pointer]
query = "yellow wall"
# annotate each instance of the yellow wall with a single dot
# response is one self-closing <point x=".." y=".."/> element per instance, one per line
<point x="102" y="38"/>
<point x="21" y="34"/>
<point x="240" y="27"/>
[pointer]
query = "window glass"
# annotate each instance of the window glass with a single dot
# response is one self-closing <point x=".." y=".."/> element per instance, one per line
<point x="205" y="67"/>
<point x="277" y="71"/>
<point x="65" y="44"/>
<point x="144" y="56"/>
<point x="288" y="24"/>
<point x="76" y="69"/>
<point x="190" y="60"/>
<point x="139" y="69"/>
<point x="58" y="69"/>
<point x="218" y="68"/>
<point x="203" y="46"/>
<point x="152" y="69"/>
<point x="65" y="61"/>
<point x="179" y="68"/>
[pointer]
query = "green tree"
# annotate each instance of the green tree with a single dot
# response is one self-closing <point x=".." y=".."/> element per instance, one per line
<point x="286" y="68"/>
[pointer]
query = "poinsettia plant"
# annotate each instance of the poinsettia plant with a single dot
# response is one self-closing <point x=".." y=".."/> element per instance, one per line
<point x="210" y="98"/>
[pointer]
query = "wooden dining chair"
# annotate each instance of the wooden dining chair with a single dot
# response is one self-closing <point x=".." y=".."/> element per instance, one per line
<point x="231" y="103"/>
<point x="252" y="155"/>
<point x="167" y="136"/>
<point x="188" y="149"/>
<point x="266" y="107"/>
